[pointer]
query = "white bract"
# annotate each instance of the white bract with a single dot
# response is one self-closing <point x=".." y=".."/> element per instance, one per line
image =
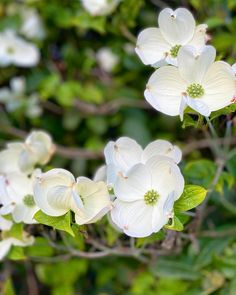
<point x="100" y="7"/>
<point x="14" y="97"/>
<point x="160" y="46"/>
<point x="16" y="51"/>
<point x="124" y="153"/>
<point x="57" y="191"/>
<point x="32" y="26"/>
<point x="145" y="196"/>
<point x="23" y="156"/>
<point x="107" y="60"/>
<point x="8" y="242"/>
<point x="198" y="82"/>
<point x="5" y="224"/>
<point x="16" y="197"/>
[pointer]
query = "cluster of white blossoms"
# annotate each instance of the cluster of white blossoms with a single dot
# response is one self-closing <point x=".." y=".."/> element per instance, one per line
<point x="188" y="75"/>
<point x="14" y="98"/>
<point x="137" y="187"/>
<point x="100" y="7"/>
<point x="17" y="175"/>
<point x="145" y="184"/>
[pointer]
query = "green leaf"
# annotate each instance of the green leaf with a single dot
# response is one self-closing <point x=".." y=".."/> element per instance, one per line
<point x="200" y="172"/>
<point x="174" y="269"/>
<point x="192" y="196"/>
<point x="16" y="231"/>
<point x="210" y="249"/>
<point x="40" y="248"/>
<point x="176" y="224"/>
<point x="16" y="253"/>
<point x="151" y="239"/>
<point x="59" y="222"/>
<point x="8" y="288"/>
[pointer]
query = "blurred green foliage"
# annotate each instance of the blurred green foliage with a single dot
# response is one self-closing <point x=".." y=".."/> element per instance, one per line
<point x="68" y="72"/>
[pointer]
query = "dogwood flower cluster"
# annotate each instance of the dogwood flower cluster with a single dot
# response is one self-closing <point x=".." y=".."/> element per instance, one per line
<point x="100" y="7"/>
<point x="145" y="184"/>
<point x="193" y="78"/>
<point x="17" y="174"/>
<point x="25" y="189"/>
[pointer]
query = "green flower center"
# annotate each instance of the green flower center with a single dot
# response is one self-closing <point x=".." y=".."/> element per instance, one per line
<point x="174" y="50"/>
<point x="10" y="50"/>
<point x="195" y="90"/>
<point x="151" y="197"/>
<point x="28" y="200"/>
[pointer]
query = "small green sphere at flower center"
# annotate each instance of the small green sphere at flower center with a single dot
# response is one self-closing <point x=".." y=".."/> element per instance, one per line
<point x="28" y="200"/>
<point x="10" y="50"/>
<point x="151" y="197"/>
<point x="195" y="90"/>
<point x="174" y="50"/>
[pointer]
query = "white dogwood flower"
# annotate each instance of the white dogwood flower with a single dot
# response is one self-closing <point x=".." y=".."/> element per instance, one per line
<point x="198" y="82"/>
<point x="16" y="51"/>
<point x="57" y="191"/>
<point x="32" y="26"/>
<point x="145" y="196"/>
<point x="53" y="191"/>
<point x="100" y="7"/>
<point x="107" y="60"/>
<point x="16" y="197"/>
<point x="160" y="46"/>
<point x="23" y="156"/>
<point x="8" y="242"/>
<point x="95" y="200"/>
<point x="124" y="153"/>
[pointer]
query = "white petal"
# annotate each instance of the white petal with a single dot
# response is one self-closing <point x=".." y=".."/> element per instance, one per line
<point x="199" y="106"/>
<point x="5" y="224"/>
<point x="9" y="161"/>
<point x="101" y="174"/>
<point x="134" y="185"/>
<point x="112" y="174"/>
<point x="234" y="68"/>
<point x="164" y="90"/>
<point x="124" y="153"/>
<point x="18" y="185"/>
<point x="199" y="37"/>
<point x="194" y="64"/>
<point x="219" y="86"/>
<point x="22" y="213"/>
<point x="134" y="218"/>
<point x="53" y="191"/>
<point x="166" y="176"/>
<point x="151" y="46"/>
<point x="40" y="143"/>
<point x="161" y="147"/>
<point x="159" y="218"/>
<point x="182" y="107"/>
<point x="95" y="199"/>
<point x="5" y="246"/>
<point x="177" y="26"/>
<point x="25" y="54"/>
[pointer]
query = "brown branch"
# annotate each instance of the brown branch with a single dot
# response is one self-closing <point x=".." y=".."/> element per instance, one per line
<point x="110" y="107"/>
<point x="74" y="152"/>
<point x="205" y="143"/>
